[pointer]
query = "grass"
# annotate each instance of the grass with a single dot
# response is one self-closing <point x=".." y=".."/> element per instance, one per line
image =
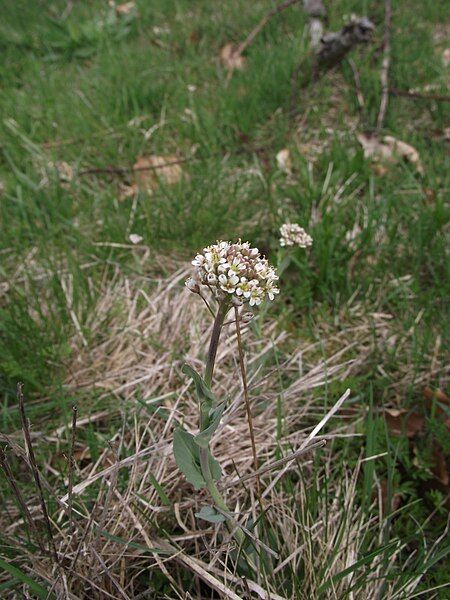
<point x="364" y="309"/>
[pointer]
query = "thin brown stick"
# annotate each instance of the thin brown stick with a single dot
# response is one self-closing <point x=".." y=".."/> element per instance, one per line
<point x="109" y="575"/>
<point x="251" y="36"/>
<point x="71" y="467"/>
<point x="275" y="464"/>
<point x="418" y="95"/>
<point x="35" y="471"/>
<point x="4" y="464"/>
<point x="247" y="400"/>
<point x="358" y="88"/>
<point x="118" y="170"/>
<point x="384" y="74"/>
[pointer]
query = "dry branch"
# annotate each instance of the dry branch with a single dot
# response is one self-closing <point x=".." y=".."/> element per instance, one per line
<point x="35" y="471"/>
<point x="336" y="45"/>
<point x="384" y="74"/>
<point x="418" y="95"/>
<point x="240" y="49"/>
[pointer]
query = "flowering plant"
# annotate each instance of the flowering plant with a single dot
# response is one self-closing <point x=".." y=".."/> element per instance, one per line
<point x="234" y="275"/>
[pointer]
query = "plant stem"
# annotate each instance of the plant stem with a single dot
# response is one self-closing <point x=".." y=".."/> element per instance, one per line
<point x="214" y="343"/>
<point x="205" y="452"/>
<point x="247" y="403"/>
<point x="212" y="488"/>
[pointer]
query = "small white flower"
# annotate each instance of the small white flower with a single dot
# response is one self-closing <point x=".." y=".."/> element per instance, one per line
<point x="294" y="235"/>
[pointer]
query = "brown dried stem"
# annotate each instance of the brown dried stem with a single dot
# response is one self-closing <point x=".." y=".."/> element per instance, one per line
<point x="418" y="95"/>
<point x="384" y="74"/>
<point x="71" y="467"/>
<point x="35" y="471"/>
<point x="4" y="464"/>
<point x="247" y="400"/>
<point x="252" y="35"/>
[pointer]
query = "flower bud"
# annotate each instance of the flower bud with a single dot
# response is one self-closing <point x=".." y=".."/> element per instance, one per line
<point x="247" y="317"/>
<point x="192" y="285"/>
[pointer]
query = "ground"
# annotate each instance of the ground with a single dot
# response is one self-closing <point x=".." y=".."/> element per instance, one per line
<point x="96" y="244"/>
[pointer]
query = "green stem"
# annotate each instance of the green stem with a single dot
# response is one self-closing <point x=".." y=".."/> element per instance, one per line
<point x="205" y="452"/>
<point x="214" y="343"/>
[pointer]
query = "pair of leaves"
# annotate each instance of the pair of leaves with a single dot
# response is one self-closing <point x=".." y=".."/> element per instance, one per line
<point x="204" y="394"/>
<point x="187" y="457"/>
<point x="211" y="413"/>
<point x="186" y="446"/>
<point x="203" y="438"/>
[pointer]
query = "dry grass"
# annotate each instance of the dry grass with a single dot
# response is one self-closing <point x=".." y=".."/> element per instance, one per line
<point x="134" y="513"/>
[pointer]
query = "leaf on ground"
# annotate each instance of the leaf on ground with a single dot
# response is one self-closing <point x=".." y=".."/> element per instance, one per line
<point x="395" y="500"/>
<point x="63" y="170"/>
<point x="135" y="238"/>
<point x="440" y="470"/>
<point x="401" y="422"/>
<point x="125" y="9"/>
<point x="284" y="161"/>
<point x="436" y="400"/>
<point x="152" y="170"/>
<point x="446" y="57"/>
<point x="389" y="149"/>
<point x="438" y="394"/>
<point x="127" y="191"/>
<point x="231" y="58"/>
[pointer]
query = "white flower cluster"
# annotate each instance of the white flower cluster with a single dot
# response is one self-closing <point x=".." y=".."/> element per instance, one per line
<point x="237" y="270"/>
<point x="294" y="235"/>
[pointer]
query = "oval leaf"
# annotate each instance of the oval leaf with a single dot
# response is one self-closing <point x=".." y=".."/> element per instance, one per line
<point x="203" y="438"/>
<point x="187" y="457"/>
<point x="208" y="513"/>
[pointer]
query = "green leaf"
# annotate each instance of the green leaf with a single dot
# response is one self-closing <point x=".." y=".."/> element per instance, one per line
<point x="367" y="559"/>
<point x="215" y="468"/>
<point x="208" y="513"/>
<point x="204" y="394"/>
<point x="39" y="590"/>
<point x="204" y="437"/>
<point x="187" y="457"/>
<point x="160" y="490"/>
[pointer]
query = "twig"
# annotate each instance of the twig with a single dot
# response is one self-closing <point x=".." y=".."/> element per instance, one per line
<point x="4" y="464"/>
<point x="117" y="170"/>
<point x="358" y="88"/>
<point x="35" y="471"/>
<point x="418" y="95"/>
<point x="240" y="49"/>
<point x="384" y="74"/>
<point x="276" y="464"/>
<point x="71" y="466"/>
<point x="247" y="400"/>
<point x="109" y="575"/>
